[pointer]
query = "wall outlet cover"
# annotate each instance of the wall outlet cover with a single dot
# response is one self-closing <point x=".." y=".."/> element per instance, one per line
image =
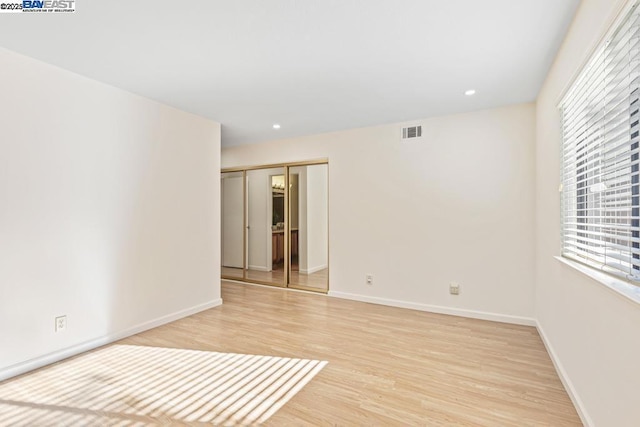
<point x="61" y="323"/>
<point x="454" y="288"/>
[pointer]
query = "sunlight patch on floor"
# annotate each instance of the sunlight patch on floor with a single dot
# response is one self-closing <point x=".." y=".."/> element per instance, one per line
<point x="137" y="385"/>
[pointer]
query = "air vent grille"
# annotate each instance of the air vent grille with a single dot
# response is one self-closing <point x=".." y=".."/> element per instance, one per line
<point x="411" y="132"/>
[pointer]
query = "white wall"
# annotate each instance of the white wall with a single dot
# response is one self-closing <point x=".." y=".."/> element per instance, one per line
<point x="109" y="213"/>
<point x="457" y="206"/>
<point x="591" y="331"/>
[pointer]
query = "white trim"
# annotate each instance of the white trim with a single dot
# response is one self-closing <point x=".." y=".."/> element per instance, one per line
<point x="564" y="378"/>
<point x="504" y="318"/>
<point x="258" y="268"/>
<point x="314" y="269"/>
<point x="58" y="355"/>
<point x="622" y="288"/>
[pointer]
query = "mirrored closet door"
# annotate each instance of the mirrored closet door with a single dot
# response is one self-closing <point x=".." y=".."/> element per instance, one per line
<point x="275" y="223"/>
<point x="232" y="223"/>
<point x="309" y="220"/>
<point x="265" y="226"/>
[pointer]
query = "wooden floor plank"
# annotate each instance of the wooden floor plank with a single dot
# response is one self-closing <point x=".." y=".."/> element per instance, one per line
<point x="387" y="366"/>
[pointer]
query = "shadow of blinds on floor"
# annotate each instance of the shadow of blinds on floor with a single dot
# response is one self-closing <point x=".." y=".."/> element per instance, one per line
<point x="138" y="385"/>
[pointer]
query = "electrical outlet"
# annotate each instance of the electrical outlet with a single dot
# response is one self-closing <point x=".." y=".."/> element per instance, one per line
<point x="61" y="323"/>
<point x="454" y="288"/>
<point x="369" y="279"/>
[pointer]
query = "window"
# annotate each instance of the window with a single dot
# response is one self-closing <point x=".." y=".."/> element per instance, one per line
<point x="601" y="157"/>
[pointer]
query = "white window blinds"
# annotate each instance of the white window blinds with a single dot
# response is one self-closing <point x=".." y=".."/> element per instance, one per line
<point x="600" y="157"/>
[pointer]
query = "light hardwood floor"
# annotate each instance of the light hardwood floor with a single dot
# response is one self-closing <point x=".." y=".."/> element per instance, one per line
<point x="387" y="366"/>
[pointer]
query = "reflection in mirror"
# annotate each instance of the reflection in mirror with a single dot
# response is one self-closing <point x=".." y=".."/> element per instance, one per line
<point x="309" y="213"/>
<point x="232" y="224"/>
<point x="265" y="226"/>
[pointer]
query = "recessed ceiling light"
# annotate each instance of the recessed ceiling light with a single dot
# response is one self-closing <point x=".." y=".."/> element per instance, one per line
<point x="276" y="126"/>
<point x="470" y="92"/>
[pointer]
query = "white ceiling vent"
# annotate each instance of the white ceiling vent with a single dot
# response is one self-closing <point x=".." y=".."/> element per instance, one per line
<point x="412" y="133"/>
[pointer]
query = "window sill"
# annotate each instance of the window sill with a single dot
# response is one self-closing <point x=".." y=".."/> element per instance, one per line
<point x="627" y="290"/>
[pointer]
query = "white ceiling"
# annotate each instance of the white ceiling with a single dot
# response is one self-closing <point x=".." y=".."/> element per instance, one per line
<point x="312" y="66"/>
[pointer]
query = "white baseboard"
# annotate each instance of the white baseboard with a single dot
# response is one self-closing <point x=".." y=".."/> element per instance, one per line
<point x="564" y="378"/>
<point x="258" y="268"/>
<point x="314" y="269"/>
<point x="38" y="362"/>
<point x="504" y="318"/>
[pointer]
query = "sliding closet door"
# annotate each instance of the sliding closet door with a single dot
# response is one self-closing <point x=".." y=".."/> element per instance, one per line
<point x="309" y="227"/>
<point x="265" y="233"/>
<point x="275" y="225"/>
<point x="232" y="222"/>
